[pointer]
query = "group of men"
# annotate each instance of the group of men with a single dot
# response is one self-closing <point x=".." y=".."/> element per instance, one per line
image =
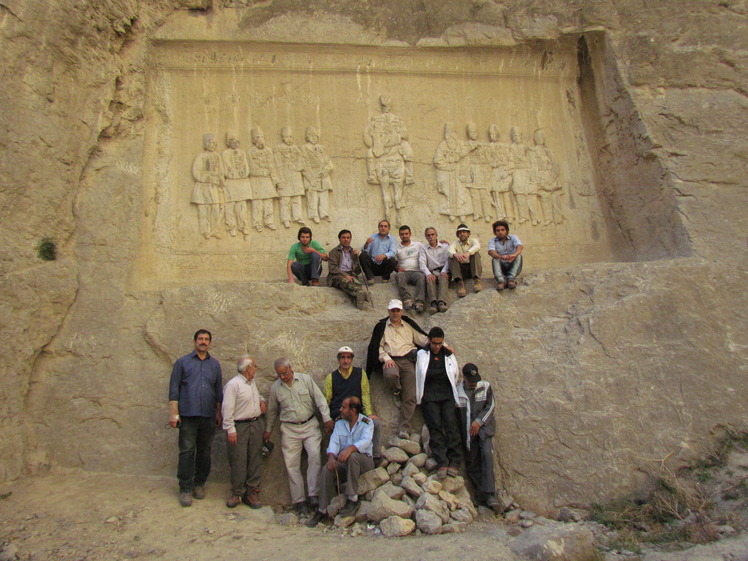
<point x="418" y="367"/>
<point x="422" y="270"/>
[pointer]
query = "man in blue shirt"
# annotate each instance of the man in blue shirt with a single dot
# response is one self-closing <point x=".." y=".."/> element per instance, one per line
<point x="195" y="397"/>
<point x="378" y="256"/>
<point x="348" y="456"/>
<point x="505" y="250"/>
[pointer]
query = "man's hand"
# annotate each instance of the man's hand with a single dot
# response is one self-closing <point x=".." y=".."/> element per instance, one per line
<point x="389" y="364"/>
<point x="231" y="437"/>
<point x="369" y="241"/>
<point x="345" y="454"/>
<point x="375" y="417"/>
<point x="349" y="278"/>
<point x="509" y="258"/>
<point x="173" y="421"/>
<point x="431" y="278"/>
<point x="379" y="258"/>
<point x="401" y="270"/>
<point x="219" y="419"/>
<point x="329" y="426"/>
<point x="463" y="257"/>
<point x="331" y="463"/>
<point x="445" y="275"/>
<point x="474" y="428"/>
<point x="308" y="249"/>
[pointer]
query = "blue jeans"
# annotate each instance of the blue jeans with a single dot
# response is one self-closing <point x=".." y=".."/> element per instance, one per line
<point x="312" y="270"/>
<point x="506" y="269"/>
<point x="195" y="439"/>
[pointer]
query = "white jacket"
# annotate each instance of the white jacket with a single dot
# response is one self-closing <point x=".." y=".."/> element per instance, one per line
<point x="422" y="365"/>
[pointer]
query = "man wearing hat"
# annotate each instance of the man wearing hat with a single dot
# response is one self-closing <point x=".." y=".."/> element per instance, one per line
<point x="394" y="343"/>
<point x="346" y="381"/>
<point x="464" y="260"/>
<point x="477" y="427"/>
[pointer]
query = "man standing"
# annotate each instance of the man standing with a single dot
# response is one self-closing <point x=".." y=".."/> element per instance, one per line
<point x="264" y="179"/>
<point x="290" y="162"/>
<point x="242" y="407"/>
<point x="316" y="173"/>
<point x="505" y="250"/>
<point x="294" y="398"/>
<point x="436" y="393"/>
<point x="409" y="272"/>
<point x="343" y="269"/>
<point x="378" y="255"/>
<point x="305" y="259"/>
<point x="348" y="457"/>
<point x="346" y="381"/>
<point x="207" y="193"/>
<point x="394" y="343"/>
<point x="195" y="397"/>
<point x="434" y="263"/>
<point x="478" y="426"/>
<point x="465" y="260"/>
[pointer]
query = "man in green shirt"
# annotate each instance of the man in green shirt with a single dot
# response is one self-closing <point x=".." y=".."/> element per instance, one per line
<point x="305" y="259"/>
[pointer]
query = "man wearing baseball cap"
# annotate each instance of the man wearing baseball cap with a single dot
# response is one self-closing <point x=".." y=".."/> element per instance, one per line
<point x="464" y="261"/>
<point x="477" y="424"/>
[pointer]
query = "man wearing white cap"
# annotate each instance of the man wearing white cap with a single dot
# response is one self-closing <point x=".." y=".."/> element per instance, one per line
<point x="397" y="340"/>
<point x="464" y="261"/>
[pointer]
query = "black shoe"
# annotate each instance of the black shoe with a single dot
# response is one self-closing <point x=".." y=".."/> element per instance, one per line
<point x="315" y="519"/>
<point x="301" y="508"/>
<point x="349" y="509"/>
<point x="313" y="503"/>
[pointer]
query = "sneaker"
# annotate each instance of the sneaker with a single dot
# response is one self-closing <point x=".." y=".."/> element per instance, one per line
<point x="443" y="307"/>
<point x="433" y="308"/>
<point x="477" y="285"/>
<point x="315" y="519"/>
<point x="349" y="509"/>
<point x="512" y="284"/>
<point x="461" y="292"/>
<point x="313" y="503"/>
<point x="252" y="499"/>
<point x="441" y="473"/>
<point x="453" y="471"/>
<point x="500" y="286"/>
<point x="199" y="492"/>
<point x="301" y="508"/>
<point x="419" y="307"/>
<point x="233" y="501"/>
<point x="185" y="499"/>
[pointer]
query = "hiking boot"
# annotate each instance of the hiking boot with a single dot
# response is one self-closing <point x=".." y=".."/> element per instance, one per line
<point x="301" y="508"/>
<point x="441" y="473"/>
<point x="461" y="292"/>
<point x="512" y="284"/>
<point x="500" y="286"/>
<point x="185" y="499"/>
<point x="419" y="307"/>
<point x="453" y="471"/>
<point x="477" y="285"/>
<point x="199" y="492"/>
<point x="443" y="307"/>
<point x="233" y="501"/>
<point x="313" y="503"/>
<point x="433" y="308"/>
<point x="315" y="519"/>
<point x="349" y="509"/>
<point x="252" y="499"/>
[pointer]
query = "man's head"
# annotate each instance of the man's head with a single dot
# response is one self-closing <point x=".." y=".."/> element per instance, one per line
<point x="351" y="408"/>
<point x="385" y="104"/>
<point x="539" y="137"/>
<point x="493" y="133"/>
<point x="500" y="229"/>
<point x="232" y="141"/>
<point x="202" y="340"/>
<point x="345" y="358"/>
<point x="209" y="142"/>
<point x="431" y="236"/>
<point x="405" y="234"/>
<point x="305" y="235"/>
<point x="312" y="136"/>
<point x="258" y="138"/>
<point x="395" y="311"/>
<point x="384" y="227"/>
<point x="516" y="135"/>
<point x="436" y="339"/>
<point x="472" y="131"/>
<point x="283" y="370"/>
<point x="470" y="373"/>
<point x="345" y="237"/>
<point x="463" y="233"/>
<point x="287" y="135"/>
<point x="247" y="367"/>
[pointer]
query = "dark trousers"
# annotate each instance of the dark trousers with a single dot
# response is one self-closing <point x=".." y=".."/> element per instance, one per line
<point x="373" y="269"/>
<point x="444" y="438"/>
<point x="479" y="464"/>
<point x="195" y="438"/>
<point x="245" y="457"/>
<point x="349" y="473"/>
<point x="462" y="271"/>
<point x="311" y="270"/>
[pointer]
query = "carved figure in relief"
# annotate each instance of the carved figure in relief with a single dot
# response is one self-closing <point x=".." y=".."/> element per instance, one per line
<point x="544" y="176"/>
<point x="389" y="160"/>
<point x="449" y="164"/>
<point x="501" y="182"/>
<point x="264" y="179"/>
<point x="480" y="174"/>
<point x="207" y="194"/>
<point x="316" y="174"/>
<point x="289" y="161"/>
<point x="237" y="188"/>
<point x="524" y="191"/>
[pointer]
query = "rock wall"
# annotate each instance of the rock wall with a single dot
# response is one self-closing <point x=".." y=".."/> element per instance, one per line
<point x="612" y="366"/>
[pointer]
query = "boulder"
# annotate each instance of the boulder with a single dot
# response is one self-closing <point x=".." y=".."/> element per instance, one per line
<point x="428" y="522"/>
<point x="392" y="491"/>
<point x="450" y="499"/>
<point x="372" y="479"/>
<point x="419" y="477"/>
<point x="395" y="454"/>
<point x="395" y="526"/>
<point x="461" y="515"/>
<point x="287" y="519"/>
<point x="393" y="468"/>
<point x="411" y="487"/>
<point x="396" y="478"/>
<point x="419" y="460"/>
<point x="430" y="502"/>
<point x="452" y="484"/>
<point x="412" y="448"/>
<point x="432" y="486"/>
<point x="410" y="469"/>
<point x="454" y="528"/>
<point x="343" y="521"/>
<point x="555" y="542"/>
<point x="430" y="464"/>
<point x="382" y="507"/>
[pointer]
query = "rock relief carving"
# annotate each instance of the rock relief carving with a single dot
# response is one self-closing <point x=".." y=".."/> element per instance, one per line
<point x="389" y="158"/>
<point x="207" y="193"/>
<point x="316" y="174"/>
<point x="264" y="179"/>
<point x="290" y="163"/>
<point x="525" y="192"/>
<point x="237" y="188"/>
<point x="452" y="172"/>
<point x="479" y="180"/>
<point x="501" y="179"/>
<point x="545" y="179"/>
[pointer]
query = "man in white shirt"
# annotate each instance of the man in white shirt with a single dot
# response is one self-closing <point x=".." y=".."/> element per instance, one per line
<point x="409" y="271"/>
<point x="464" y="261"/>
<point x="242" y="407"/>
<point x="434" y="263"/>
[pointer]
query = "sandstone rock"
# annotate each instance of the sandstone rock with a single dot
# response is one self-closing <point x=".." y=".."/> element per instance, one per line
<point x="522" y="523"/>
<point x="395" y="454"/>
<point x="566" y="514"/>
<point x="410" y="501"/>
<point x="287" y="519"/>
<point x="392" y="491"/>
<point x="395" y="526"/>
<point x="505" y="500"/>
<point x="419" y="477"/>
<point x="464" y="500"/>
<point x="419" y="460"/>
<point x="393" y="468"/>
<point x="343" y="521"/>
<point x="454" y="528"/>
<point x="362" y="514"/>
<point x="428" y="522"/>
<point x="336" y="504"/>
<point x="430" y="502"/>
<point x="449" y="499"/>
<point x="461" y="515"/>
<point x="411" y="487"/>
<point x="432" y="486"/>
<point x="372" y="479"/>
<point x="410" y="469"/>
<point x="527" y="515"/>
<point x="396" y="478"/>
<point x="382" y="507"/>
<point x="512" y="517"/>
<point x="453" y="484"/>
<point x="412" y="448"/>
<point x="430" y="464"/>
<point x="556" y="542"/>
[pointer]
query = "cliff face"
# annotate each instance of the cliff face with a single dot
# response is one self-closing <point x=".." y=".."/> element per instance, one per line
<point x="630" y="352"/>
